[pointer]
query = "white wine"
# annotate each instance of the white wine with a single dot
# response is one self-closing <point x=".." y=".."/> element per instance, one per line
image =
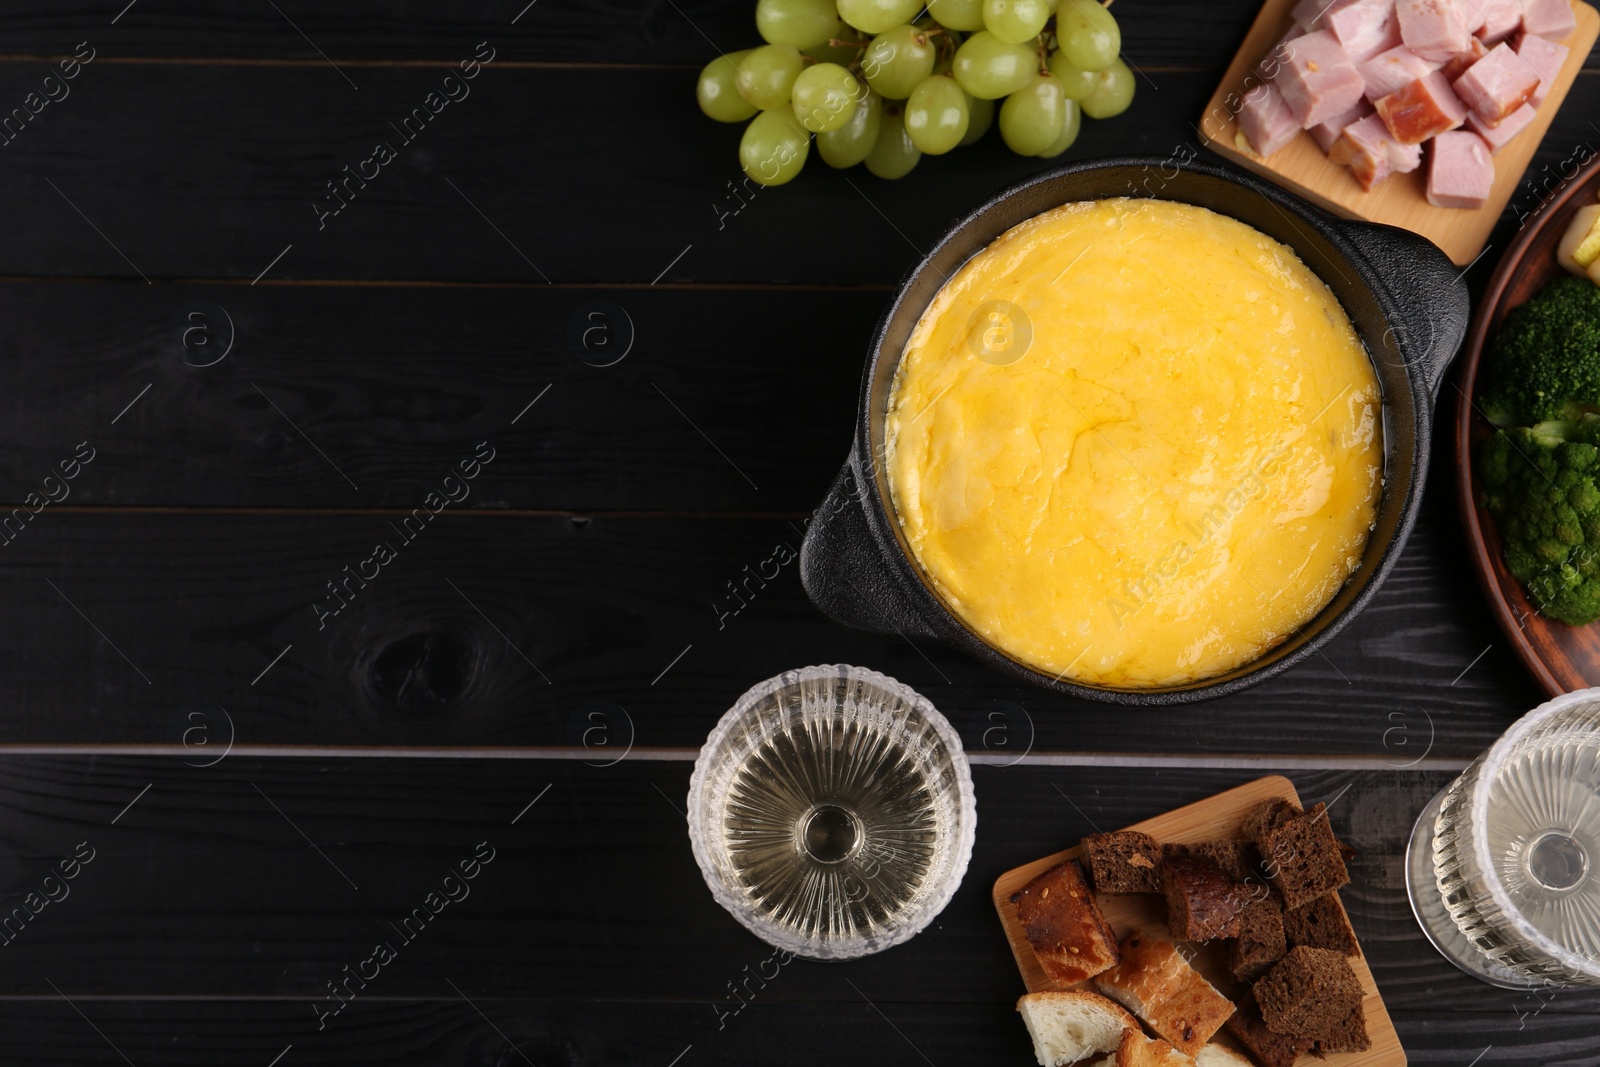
<point x="1509" y="864"/>
<point x="832" y="812"/>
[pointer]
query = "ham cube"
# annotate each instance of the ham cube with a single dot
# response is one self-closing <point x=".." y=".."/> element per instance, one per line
<point x="1500" y="134"/>
<point x="1472" y="14"/>
<point x="1501" y="19"/>
<point x="1365" y="28"/>
<point x="1548" y="18"/>
<point x="1392" y="71"/>
<point x="1434" y="29"/>
<point x="1546" y="57"/>
<point x="1326" y="133"/>
<point x="1361" y="147"/>
<point x="1317" y="79"/>
<point x="1309" y="14"/>
<point x="1458" y="64"/>
<point x="1267" y="69"/>
<point x="1497" y="84"/>
<point x="1460" y="170"/>
<point x="1267" y="121"/>
<point x="1421" y="110"/>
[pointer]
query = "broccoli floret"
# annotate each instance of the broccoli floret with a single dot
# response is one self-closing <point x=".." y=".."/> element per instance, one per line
<point x="1544" y="364"/>
<point x="1540" y="483"/>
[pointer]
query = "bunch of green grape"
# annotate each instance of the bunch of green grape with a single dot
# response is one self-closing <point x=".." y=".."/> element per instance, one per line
<point x="883" y="82"/>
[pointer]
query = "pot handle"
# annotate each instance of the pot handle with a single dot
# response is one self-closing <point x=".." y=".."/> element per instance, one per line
<point x="843" y="571"/>
<point x="1434" y="308"/>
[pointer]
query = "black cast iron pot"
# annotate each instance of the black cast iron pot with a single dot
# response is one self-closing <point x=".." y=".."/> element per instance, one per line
<point x="1404" y="296"/>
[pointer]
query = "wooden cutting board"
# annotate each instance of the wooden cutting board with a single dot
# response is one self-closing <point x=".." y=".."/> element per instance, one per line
<point x="1206" y="820"/>
<point x="1400" y="200"/>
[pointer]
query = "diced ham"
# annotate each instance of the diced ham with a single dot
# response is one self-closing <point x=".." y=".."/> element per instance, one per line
<point x="1549" y="18"/>
<point x="1317" y="79"/>
<point x="1309" y="14"/>
<point x="1546" y="57"/>
<point x="1497" y="84"/>
<point x="1325" y="133"/>
<point x="1267" y="121"/>
<point x="1434" y="29"/>
<point x="1421" y="110"/>
<point x="1362" y="147"/>
<point x="1500" y="134"/>
<point x="1393" y="70"/>
<point x="1471" y="13"/>
<point x="1460" y="170"/>
<point x="1267" y="68"/>
<point x="1365" y="28"/>
<point x="1458" y="64"/>
<point x="1501" y="18"/>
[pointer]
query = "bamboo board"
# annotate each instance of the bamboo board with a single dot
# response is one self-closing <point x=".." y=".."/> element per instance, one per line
<point x="1400" y="200"/>
<point x="1206" y="820"/>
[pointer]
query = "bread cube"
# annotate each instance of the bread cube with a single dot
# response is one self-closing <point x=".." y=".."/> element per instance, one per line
<point x="1064" y="925"/>
<point x="1308" y="993"/>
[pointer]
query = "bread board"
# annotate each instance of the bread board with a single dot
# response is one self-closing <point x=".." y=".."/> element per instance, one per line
<point x="1206" y="820"/>
<point x="1400" y="200"/>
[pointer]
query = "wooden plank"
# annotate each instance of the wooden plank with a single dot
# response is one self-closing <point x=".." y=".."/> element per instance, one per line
<point x="48" y="1032"/>
<point x="211" y="864"/>
<point x="261" y="144"/>
<point x="1401" y="200"/>
<point x="453" y="641"/>
<point x="366" y="396"/>
<point x="1155" y="32"/>
<point x="1215" y="818"/>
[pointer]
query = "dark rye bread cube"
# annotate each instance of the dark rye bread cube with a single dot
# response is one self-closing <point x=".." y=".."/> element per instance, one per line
<point x="1308" y="993"/>
<point x="1238" y="859"/>
<point x="1265" y="1047"/>
<point x="1203" y="903"/>
<point x="1321" y="924"/>
<point x="1303" y="857"/>
<point x="1123" y="862"/>
<point x="1059" y="916"/>
<point x="1268" y="815"/>
<point x="1261" y="941"/>
<point x="1349" y="1036"/>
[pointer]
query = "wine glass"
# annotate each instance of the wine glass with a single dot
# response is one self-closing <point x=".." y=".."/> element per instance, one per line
<point x="1503" y="867"/>
<point x="831" y="812"/>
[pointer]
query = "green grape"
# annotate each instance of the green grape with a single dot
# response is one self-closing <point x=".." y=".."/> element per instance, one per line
<point x="1075" y="83"/>
<point x="1031" y="118"/>
<point x="774" y="146"/>
<point x="1088" y="33"/>
<point x="1015" y="21"/>
<point x="767" y="74"/>
<point x="937" y="115"/>
<point x="990" y="68"/>
<point x="1069" y="132"/>
<point x="875" y="16"/>
<point x="802" y="23"/>
<point x="897" y="60"/>
<point x="825" y="96"/>
<point x="1113" y="92"/>
<point x="850" y="143"/>
<point x="893" y="155"/>
<point x="982" y="117"/>
<point x="717" y="92"/>
<point x="965" y="15"/>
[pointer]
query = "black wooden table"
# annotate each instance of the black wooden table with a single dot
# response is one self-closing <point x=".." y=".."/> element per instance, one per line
<point x="261" y="744"/>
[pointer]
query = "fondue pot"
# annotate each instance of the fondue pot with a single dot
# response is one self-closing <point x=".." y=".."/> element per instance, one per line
<point x="1405" y="298"/>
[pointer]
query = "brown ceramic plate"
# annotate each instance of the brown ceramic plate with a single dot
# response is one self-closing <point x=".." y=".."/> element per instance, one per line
<point x="1561" y="657"/>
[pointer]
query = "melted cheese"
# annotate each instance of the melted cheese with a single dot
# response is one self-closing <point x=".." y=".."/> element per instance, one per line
<point x="1134" y="443"/>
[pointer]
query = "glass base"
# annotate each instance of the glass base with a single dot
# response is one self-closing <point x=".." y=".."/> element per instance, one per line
<point x="1422" y="886"/>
